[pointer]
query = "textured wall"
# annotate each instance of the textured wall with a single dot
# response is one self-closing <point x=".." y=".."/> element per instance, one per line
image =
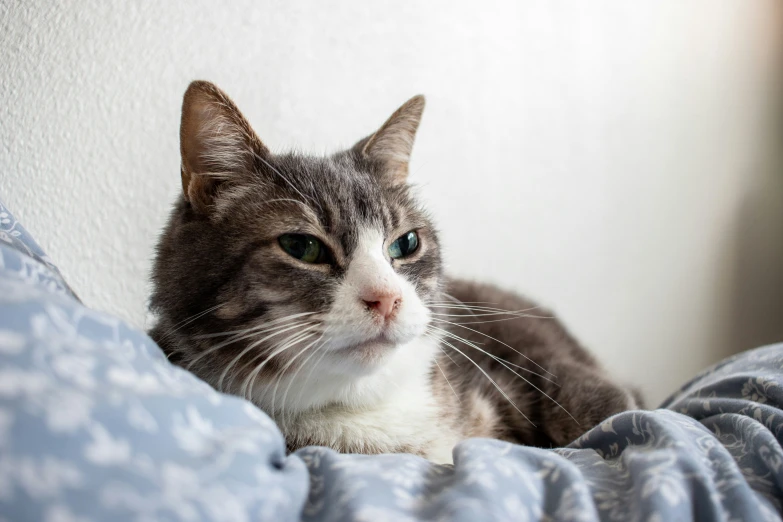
<point x="614" y="161"/>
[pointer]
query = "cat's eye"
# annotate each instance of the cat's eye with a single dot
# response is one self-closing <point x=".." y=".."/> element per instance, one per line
<point x="404" y="245"/>
<point x="304" y="247"/>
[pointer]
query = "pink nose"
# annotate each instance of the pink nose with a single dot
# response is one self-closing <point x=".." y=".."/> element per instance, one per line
<point x="384" y="304"/>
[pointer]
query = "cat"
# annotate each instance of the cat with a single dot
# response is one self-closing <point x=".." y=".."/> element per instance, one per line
<point x="314" y="287"/>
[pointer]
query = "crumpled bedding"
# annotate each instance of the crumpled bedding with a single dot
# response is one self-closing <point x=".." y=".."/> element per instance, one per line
<point x="95" y="424"/>
<point x="713" y="453"/>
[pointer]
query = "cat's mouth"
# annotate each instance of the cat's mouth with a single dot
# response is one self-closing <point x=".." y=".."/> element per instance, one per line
<point x="369" y="347"/>
<point x="371" y="352"/>
<point x="379" y="342"/>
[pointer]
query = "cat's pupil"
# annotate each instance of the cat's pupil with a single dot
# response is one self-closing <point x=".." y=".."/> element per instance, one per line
<point x="303" y="247"/>
<point x="404" y="245"/>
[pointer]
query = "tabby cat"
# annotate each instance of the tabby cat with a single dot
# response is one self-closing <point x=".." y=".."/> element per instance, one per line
<point x="314" y="287"/>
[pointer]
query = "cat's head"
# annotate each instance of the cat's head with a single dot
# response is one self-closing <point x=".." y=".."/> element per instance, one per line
<point x="288" y="259"/>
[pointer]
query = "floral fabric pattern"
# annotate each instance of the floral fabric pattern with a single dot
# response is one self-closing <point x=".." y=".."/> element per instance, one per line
<point x="96" y="424"/>
<point x="14" y="236"/>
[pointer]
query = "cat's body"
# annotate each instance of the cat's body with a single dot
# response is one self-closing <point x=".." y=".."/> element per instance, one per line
<point x="314" y="287"/>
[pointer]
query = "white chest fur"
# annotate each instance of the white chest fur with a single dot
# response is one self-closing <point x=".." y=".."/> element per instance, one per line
<point x="390" y="410"/>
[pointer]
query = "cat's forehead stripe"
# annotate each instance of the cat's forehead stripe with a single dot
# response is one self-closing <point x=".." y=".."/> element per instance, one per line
<point x="344" y="199"/>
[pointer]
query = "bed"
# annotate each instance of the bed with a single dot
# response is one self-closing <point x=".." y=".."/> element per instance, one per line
<point x="95" y="424"/>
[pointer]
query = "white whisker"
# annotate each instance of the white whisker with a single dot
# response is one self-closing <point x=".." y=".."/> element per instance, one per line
<point x="512" y="318"/>
<point x="189" y="320"/>
<point x="499" y="389"/>
<point x="247" y="335"/>
<point x="490" y="314"/>
<point x="293" y="377"/>
<point x="255" y="328"/>
<point x="444" y="376"/>
<point x="447" y="355"/>
<point x="456" y="303"/>
<point x="310" y="374"/>
<point x="468" y="343"/>
<point x="496" y="357"/>
<point x="258" y="342"/>
<point x="498" y="341"/>
<point x="484" y="310"/>
<point x="250" y="380"/>
<point x="275" y="349"/>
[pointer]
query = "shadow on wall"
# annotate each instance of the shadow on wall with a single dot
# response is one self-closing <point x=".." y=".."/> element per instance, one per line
<point x="756" y="310"/>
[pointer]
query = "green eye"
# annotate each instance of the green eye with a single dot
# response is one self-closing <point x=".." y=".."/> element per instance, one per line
<point x="404" y="245"/>
<point x="303" y="247"/>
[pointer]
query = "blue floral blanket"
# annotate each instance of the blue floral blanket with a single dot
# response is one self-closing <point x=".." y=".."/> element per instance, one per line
<point x="95" y="424"/>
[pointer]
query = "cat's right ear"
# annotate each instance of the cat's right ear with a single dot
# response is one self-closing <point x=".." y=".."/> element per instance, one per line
<point x="217" y="144"/>
<point x="391" y="146"/>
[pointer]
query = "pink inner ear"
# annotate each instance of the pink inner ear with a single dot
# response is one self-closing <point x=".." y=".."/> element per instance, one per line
<point x="392" y="144"/>
<point x="216" y="143"/>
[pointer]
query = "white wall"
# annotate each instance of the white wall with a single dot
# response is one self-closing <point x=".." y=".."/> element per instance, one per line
<point x="614" y="161"/>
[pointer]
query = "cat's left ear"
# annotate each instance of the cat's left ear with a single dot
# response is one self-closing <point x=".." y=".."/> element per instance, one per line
<point x="391" y="146"/>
